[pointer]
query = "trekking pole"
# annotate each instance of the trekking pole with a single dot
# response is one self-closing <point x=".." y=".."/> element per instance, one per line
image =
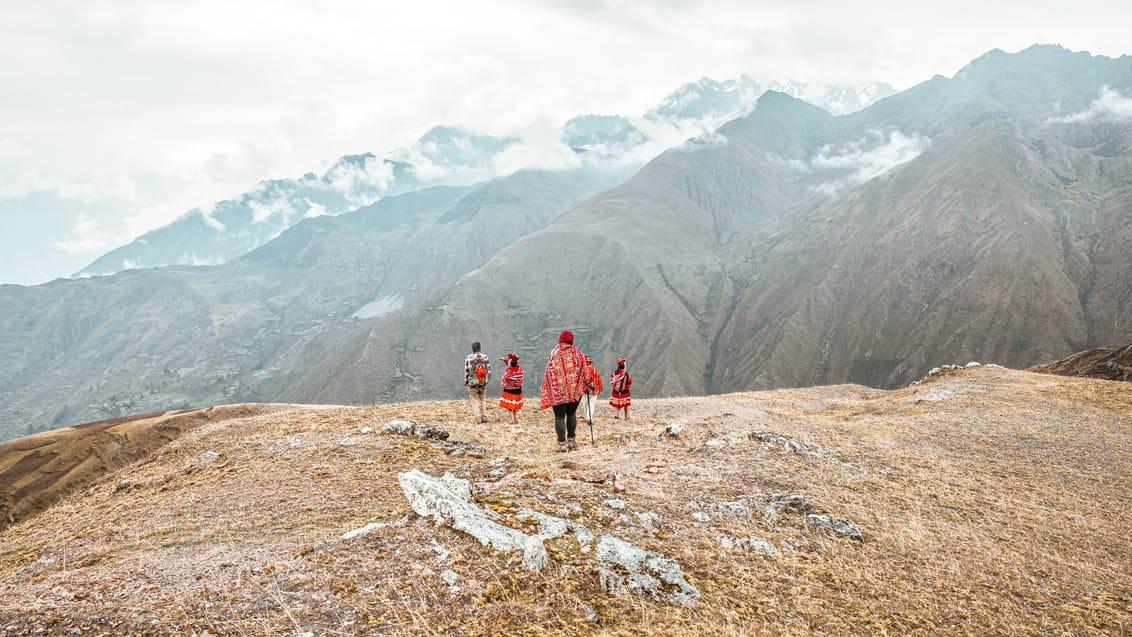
<point x="590" y="417"/>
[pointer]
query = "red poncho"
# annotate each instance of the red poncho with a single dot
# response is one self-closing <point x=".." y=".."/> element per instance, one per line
<point x="593" y="380"/>
<point x="564" y="377"/>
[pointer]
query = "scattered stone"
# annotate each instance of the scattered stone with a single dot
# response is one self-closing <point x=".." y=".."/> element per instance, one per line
<point x="418" y="429"/>
<point x="931" y="396"/>
<point x="771" y="439"/>
<point x="510" y="480"/>
<point x="674" y="430"/>
<point x="752" y="543"/>
<point x="837" y="526"/>
<point x="295" y="442"/>
<point x="972" y="364"/>
<point x="734" y="509"/>
<point x="461" y="448"/>
<point x="442" y="553"/>
<point x="366" y="430"/>
<point x="450" y="577"/>
<point x="371" y="527"/>
<point x="791" y="503"/>
<point x="591" y="615"/>
<point x="615" y="503"/>
<point x="209" y="455"/>
<point x="618" y="483"/>
<point x="649" y="521"/>
<point x="593" y="477"/>
<point x="347" y="442"/>
<point x="700" y="516"/>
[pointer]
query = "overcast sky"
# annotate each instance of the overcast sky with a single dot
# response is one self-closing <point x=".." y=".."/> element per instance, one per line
<point x="117" y="116"/>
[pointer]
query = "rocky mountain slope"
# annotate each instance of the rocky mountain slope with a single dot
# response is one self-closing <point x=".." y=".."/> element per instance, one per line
<point x="179" y="337"/>
<point x="981" y="217"/>
<point x="445" y="155"/>
<point x="963" y="505"/>
<point x="1102" y="362"/>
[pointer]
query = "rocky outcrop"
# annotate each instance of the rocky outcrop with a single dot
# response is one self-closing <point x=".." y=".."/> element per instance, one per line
<point x="1104" y="363"/>
<point x="623" y="567"/>
<point x="836" y="526"/>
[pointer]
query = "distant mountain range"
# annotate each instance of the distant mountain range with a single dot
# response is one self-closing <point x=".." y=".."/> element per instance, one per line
<point x="980" y="217"/>
<point x="983" y="217"/>
<point x="444" y="156"/>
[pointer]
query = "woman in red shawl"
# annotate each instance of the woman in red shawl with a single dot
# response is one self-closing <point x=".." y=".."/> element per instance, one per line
<point x="562" y="387"/>
<point x="511" y="385"/>
<point x="619" y="382"/>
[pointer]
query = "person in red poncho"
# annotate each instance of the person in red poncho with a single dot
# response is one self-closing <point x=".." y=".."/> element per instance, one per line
<point x="562" y="387"/>
<point x="619" y="383"/>
<point x="511" y="386"/>
<point x="593" y="387"/>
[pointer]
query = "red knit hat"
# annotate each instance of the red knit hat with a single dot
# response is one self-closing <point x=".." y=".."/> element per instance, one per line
<point x="620" y="360"/>
<point x="566" y="337"/>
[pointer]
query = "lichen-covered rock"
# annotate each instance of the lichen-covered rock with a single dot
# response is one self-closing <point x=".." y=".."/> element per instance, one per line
<point x="461" y="448"/>
<point x="735" y="509"/>
<point x="418" y="429"/>
<point x="626" y="568"/>
<point x="645" y="573"/>
<point x="752" y="543"/>
<point x="771" y="439"/>
<point x="448" y="500"/>
<point x="837" y="526"/>
<point x="789" y="502"/>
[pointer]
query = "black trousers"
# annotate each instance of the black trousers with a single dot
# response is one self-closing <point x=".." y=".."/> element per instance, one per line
<point x="565" y="420"/>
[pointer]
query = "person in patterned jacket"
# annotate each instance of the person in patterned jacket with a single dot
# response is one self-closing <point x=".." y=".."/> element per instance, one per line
<point x="562" y="387"/>
<point x="511" y="387"/>
<point x="477" y="371"/>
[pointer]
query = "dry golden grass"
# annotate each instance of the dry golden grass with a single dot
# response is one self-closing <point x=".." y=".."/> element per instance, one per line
<point x="993" y="502"/>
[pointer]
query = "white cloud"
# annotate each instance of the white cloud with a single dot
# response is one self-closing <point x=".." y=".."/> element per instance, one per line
<point x="205" y="213"/>
<point x="186" y="103"/>
<point x="193" y="259"/>
<point x="27" y="183"/>
<point x="867" y="158"/>
<point x="1109" y="105"/>
<point x="706" y="141"/>
<point x="364" y="184"/>
<point x="314" y="209"/>
<point x="87" y="236"/>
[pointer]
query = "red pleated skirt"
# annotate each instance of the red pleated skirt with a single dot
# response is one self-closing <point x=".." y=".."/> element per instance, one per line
<point x="511" y="399"/>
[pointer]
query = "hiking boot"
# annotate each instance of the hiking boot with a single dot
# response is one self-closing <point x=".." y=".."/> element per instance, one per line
<point x="571" y="444"/>
<point x="562" y="447"/>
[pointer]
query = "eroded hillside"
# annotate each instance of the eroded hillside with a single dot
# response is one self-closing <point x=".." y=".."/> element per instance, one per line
<point x="989" y="501"/>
